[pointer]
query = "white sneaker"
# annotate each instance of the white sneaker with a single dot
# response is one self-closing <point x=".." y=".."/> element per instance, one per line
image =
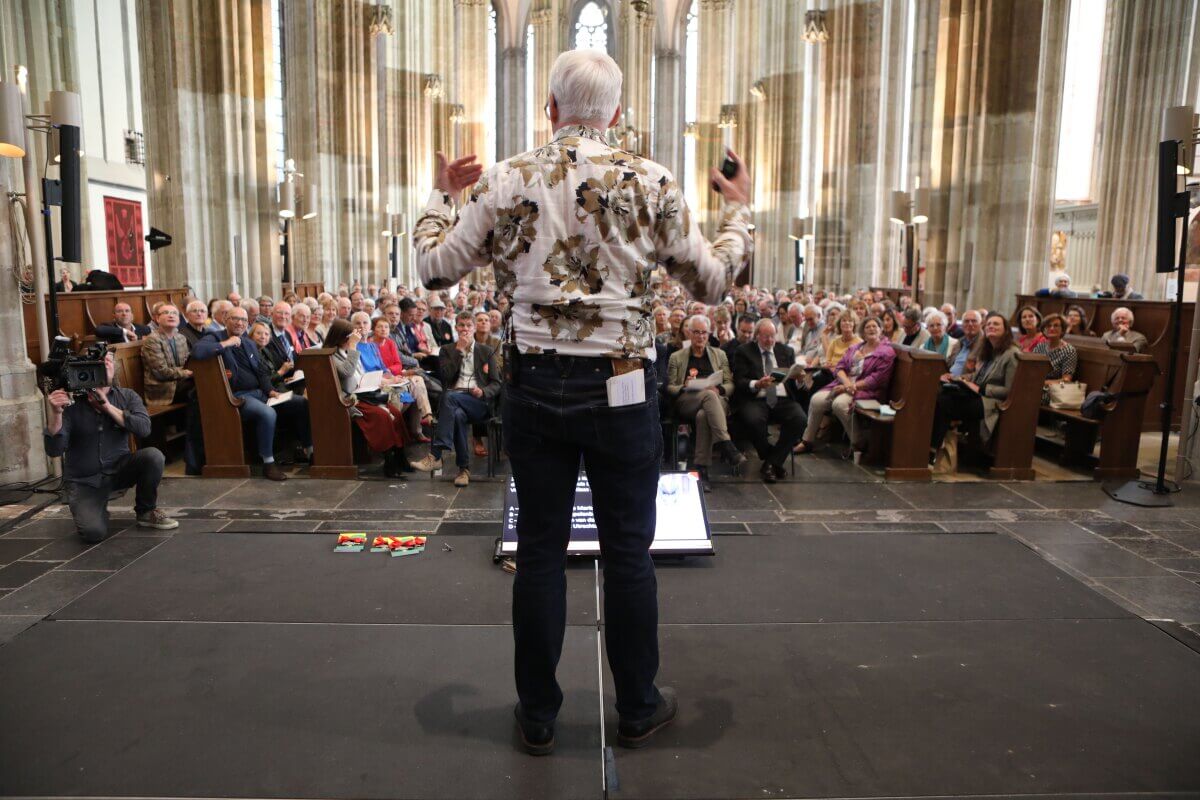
<point x="428" y="464"/>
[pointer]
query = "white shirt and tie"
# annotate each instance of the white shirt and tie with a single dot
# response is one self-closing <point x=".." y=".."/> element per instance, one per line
<point x="769" y="366"/>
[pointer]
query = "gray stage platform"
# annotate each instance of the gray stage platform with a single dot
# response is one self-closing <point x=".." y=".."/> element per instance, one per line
<point x="857" y="665"/>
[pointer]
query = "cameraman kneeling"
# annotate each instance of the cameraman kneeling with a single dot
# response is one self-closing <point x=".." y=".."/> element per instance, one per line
<point x="93" y="438"/>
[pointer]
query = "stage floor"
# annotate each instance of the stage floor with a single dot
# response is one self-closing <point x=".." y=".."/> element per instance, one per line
<point x="869" y="664"/>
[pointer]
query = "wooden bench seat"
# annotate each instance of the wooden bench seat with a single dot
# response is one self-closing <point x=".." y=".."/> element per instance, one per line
<point x="332" y="429"/>
<point x="224" y="451"/>
<point x="130" y="373"/>
<point x="1131" y="377"/>
<point x="901" y="441"/>
<point x="1011" y="445"/>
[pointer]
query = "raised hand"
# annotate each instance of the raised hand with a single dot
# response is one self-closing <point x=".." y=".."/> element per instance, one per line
<point x="454" y="176"/>
<point x="736" y="190"/>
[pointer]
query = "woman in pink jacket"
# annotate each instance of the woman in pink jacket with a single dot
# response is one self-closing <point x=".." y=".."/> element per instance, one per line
<point x="864" y="373"/>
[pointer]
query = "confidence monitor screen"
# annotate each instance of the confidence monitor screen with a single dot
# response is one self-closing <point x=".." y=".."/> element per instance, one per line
<point x="682" y="524"/>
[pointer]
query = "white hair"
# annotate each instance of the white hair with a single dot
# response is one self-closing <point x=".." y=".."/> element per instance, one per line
<point x="762" y="322"/>
<point x="692" y="320"/>
<point x="816" y="309"/>
<point x="586" y="85"/>
<point x="935" y="315"/>
<point x="1113" y="316"/>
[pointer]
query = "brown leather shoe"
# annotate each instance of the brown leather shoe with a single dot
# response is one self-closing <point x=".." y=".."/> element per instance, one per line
<point x="272" y="472"/>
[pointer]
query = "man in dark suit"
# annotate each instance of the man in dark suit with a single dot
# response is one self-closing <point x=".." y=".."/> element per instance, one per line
<point x="248" y="381"/>
<point x="470" y="384"/>
<point x="744" y="332"/>
<point x="281" y="345"/>
<point x="122" y="328"/>
<point x="760" y="399"/>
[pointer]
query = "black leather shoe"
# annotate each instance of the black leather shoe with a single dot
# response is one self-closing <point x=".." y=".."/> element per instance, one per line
<point x="780" y="472"/>
<point x="537" y="738"/>
<point x="705" y="484"/>
<point x="768" y="473"/>
<point x="637" y="734"/>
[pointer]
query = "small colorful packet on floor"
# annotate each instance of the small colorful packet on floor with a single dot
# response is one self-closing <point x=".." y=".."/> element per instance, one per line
<point x="350" y="543"/>
<point x="408" y="545"/>
<point x="383" y="544"/>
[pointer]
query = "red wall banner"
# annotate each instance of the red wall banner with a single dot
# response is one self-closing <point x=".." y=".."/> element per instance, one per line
<point x="126" y="247"/>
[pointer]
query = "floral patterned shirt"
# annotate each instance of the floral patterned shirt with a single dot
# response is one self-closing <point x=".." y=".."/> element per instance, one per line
<point x="574" y="231"/>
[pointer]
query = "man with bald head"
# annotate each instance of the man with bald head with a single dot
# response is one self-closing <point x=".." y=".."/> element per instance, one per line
<point x="193" y="326"/>
<point x="122" y="328"/>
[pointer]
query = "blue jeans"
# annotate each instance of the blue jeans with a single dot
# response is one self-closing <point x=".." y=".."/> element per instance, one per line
<point x="458" y="411"/>
<point x="556" y="416"/>
<point x="262" y="416"/>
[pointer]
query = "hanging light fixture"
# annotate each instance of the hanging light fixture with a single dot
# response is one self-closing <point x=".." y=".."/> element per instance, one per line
<point x="1179" y="123"/>
<point x="12" y="122"/>
<point x="797" y="231"/>
<point x="920" y="206"/>
<point x="457" y="113"/>
<point x="815" y="31"/>
<point x="810" y="225"/>
<point x="287" y="199"/>
<point x="690" y="130"/>
<point x="758" y="90"/>
<point x="900" y="206"/>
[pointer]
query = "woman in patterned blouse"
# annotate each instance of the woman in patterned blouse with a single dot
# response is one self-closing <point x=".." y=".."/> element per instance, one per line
<point x="1063" y="358"/>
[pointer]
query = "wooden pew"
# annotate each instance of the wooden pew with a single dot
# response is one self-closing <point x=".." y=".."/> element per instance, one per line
<point x="901" y="442"/>
<point x="80" y="312"/>
<point x="224" y="451"/>
<point x="1012" y="442"/>
<point x="129" y="373"/>
<point x="1152" y="318"/>
<point x="1130" y="376"/>
<point x="332" y="428"/>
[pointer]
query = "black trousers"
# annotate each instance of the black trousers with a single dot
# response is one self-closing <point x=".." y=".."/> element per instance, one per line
<point x="756" y="415"/>
<point x="555" y="418"/>
<point x="89" y="504"/>
<point x="954" y="406"/>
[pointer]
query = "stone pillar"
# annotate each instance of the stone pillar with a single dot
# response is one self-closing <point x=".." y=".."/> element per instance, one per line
<point x="544" y="18"/>
<point x="636" y="51"/>
<point x="40" y="34"/>
<point x="992" y="118"/>
<point x="331" y="134"/>
<point x="1146" y="53"/>
<point x="211" y="174"/>
<point x="511" y="101"/>
<point x="21" y="411"/>
<point x="471" y="46"/>
<point x="716" y="27"/>
<point x="668" y="110"/>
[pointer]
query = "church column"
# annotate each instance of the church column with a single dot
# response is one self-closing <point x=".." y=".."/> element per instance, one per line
<point x="21" y="416"/>
<point x="636" y="51"/>
<point x="544" y="19"/>
<point x="668" y="109"/>
<point x="471" y="19"/>
<point x="211" y="179"/>
<point x="992" y="116"/>
<point x="716" y="47"/>
<point x="1146" y="53"/>
<point x="511" y="100"/>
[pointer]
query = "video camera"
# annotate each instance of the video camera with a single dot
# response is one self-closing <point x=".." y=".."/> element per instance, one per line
<point x="75" y="373"/>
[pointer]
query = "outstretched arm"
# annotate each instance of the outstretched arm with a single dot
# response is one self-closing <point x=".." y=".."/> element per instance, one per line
<point x="449" y="243"/>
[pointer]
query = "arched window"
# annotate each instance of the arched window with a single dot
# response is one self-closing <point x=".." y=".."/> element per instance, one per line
<point x="691" y="104"/>
<point x="591" y="28"/>
<point x="1080" y="97"/>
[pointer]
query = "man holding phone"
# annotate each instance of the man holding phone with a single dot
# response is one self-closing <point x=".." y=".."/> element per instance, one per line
<point x="574" y="231"/>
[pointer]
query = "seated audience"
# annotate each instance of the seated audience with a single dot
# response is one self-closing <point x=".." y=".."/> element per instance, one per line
<point x="271" y="365"/>
<point x="196" y="324"/>
<point x="282" y="342"/>
<point x="1064" y="359"/>
<point x="953" y="328"/>
<point x="745" y="332"/>
<point x="863" y="373"/>
<point x="1061" y="288"/>
<point x="1077" y="321"/>
<point x="939" y="341"/>
<point x="972" y="336"/>
<point x="241" y="359"/>
<point x="707" y="408"/>
<point x="839" y="345"/>
<point x="265" y="306"/>
<point x="301" y="331"/>
<point x="92" y="436"/>
<point x="471" y="381"/>
<point x="164" y="357"/>
<point x="1030" y="329"/>
<point x="122" y="328"/>
<point x="443" y="331"/>
<point x="1123" y="333"/>
<point x="410" y="378"/>
<point x="344" y="310"/>
<point x="913" y="332"/>
<point x="974" y="398"/>
<point x="808" y="333"/>
<point x="891" y="328"/>
<point x="1121" y="289"/>
<point x="382" y="426"/>
<point x="762" y="399"/>
<point x="483" y="331"/>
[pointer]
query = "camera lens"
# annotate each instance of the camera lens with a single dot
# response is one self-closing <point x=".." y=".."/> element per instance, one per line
<point x="83" y="376"/>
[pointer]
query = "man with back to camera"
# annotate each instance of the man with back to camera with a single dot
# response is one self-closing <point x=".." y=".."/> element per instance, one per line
<point x="92" y="436"/>
<point x="577" y="319"/>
